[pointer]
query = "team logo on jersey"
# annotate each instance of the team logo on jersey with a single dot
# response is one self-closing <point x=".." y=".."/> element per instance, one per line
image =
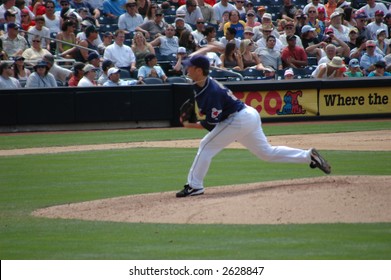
<point x="215" y="113"/>
<point x="292" y="106"/>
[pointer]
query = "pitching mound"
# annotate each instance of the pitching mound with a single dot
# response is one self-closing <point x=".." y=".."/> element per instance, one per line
<point x="327" y="199"/>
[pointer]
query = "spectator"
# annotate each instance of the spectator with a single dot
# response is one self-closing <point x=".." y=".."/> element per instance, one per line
<point x="235" y="23"/>
<point x="207" y="11"/>
<point x="10" y="17"/>
<point x="361" y="23"/>
<point x="353" y="35"/>
<point x="94" y="60"/>
<point x="180" y="26"/>
<point x="300" y="22"/>
<point x="88" y="46"/>
<point x="120" y="54"/>
<point x="381" y="42"/>
<point x="316" y="4"/>
<point x="380" y="70"/>
<point x="9" y="5"/>
<point x="371" y="7"/>
<point x="107" y="41"/>
<point x="151" y="69"/>
<point x="387" y="21"/>
<point x="41" y="78"/>
<point x="84" y="5"/>
<point x="77" y="74"/>
<point x="187" y="41"/>
<point x="151" y="12"/>
<point x="141" y="48"/>
<point x="239" y="6"/>
<point x="354" y="69"/>
<point x="321" y="14"/>
<point x="38" y="7"/>
<point x="261" y="10"/>
<point x="41" y="30"/>
<point x="330" y="7"/>
<point x="198" y="34"/>
<point x="311" y="43"/>
<point x="154" y="28"/>
<point x="67" y="35"/>
<point x="251" y="20"/>
<point x="143" y="7"/>
<point x="35" y="52"/>
<point x="288" y="10"/>
<point x="192" y="12"/>
<point x="269" y="56"/>
<point x="224" y="20"/>
<point x="26" y="20"/>
<point x="376" y="25"/>
<point x="6" y="79"/>
<point x="292" y="55"/>
<point x="230" y="36"/>
<point x="314" y="22"/>
<point x="60" y="73"/>
<point x="266" y="31"/>
<point x="177" y="69"/>
<point x="89" y="75"/>
<point x="131" y="19"/>
<point x="20" y="71"/>
<point x="210" y="36"/>
<point x="289" y="30"/>
<point x="221" y="7"/>
<point x="340" y="31"/>
<point x="267" y="20"/>
<point x="249" y="58"/>
<point x="231" y="58"/>
<point x="13" y="43"/>
<point x="289" y="74"/>
<point x="113" y="8"/>
<point x="331" y="70"/>
<point x="114" y="79"/>
<point x="168" y="44"/>
<point x="52" y="21"/>
<point x="336" y="47"/>
<point x="370" y="57"/>
<point x="106" y="65"/>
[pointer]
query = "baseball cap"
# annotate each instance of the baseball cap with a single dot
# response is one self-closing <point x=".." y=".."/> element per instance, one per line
<point x="266" y="27"/>
<point x="354" y="63"/>
<point x="261" y="8"/>
<point x="248" y="29"/>
<point x="380" y="31"/>
<point x="198" y="61"/>
<point x="108" y="34"/>
<point x="181" y="50"/>
<point x="92" y="56"/>
<point x="388" y="15"/>
<point x="289" y="72"/>
<point x="328" y="30"/>
<point x="379" y="13"/>
<point x="335" y="14"/>
<point x="249" y="3"/>
<point x="88" y="68"/>
<point x="307" y="28"/>
<point x="113" y="70"/>
<point x="370" y="43"/>
<point x="13" y="25"/>
<point x="267" y="15"/>
<point x="290" y="37"/>
<point x="19" y="57"/>
<point x="106" y="64"/>
<point x="361" y="15"/>
<point x="380" y="63"/>
<point x="321" y="10"/>
<point x="24" y="11"/>
<point x="354" y="29"/>
<point x="251" y="12"/>
<point x="179" y="18"/>
<point x="40" y="64"/>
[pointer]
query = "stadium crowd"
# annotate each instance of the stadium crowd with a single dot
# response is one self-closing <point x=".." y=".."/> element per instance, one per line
<point x="125" y="42"/>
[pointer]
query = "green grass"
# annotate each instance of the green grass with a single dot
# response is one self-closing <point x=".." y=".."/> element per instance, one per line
<point x="35" y="181"/>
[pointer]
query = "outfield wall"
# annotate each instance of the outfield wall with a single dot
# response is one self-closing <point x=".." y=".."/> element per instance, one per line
<point x="158" y="105"/>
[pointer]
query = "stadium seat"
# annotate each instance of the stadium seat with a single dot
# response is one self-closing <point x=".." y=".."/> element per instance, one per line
<point x="177" y="80"/>
<point x="225" y="75"/>
<point x="153" y="81"/>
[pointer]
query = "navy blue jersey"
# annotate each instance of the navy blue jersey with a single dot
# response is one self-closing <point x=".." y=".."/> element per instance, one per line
<point x="216" y="102"/>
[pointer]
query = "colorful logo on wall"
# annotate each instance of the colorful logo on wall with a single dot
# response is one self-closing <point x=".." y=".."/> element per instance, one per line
<point x="292" y="105"/>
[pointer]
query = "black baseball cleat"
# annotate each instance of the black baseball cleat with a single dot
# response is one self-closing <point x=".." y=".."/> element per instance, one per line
<point x="318" y="161"/>
<point x="189" y="191"/>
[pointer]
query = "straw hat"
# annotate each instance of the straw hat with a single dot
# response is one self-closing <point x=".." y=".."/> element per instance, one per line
<point x="336" y="62"/>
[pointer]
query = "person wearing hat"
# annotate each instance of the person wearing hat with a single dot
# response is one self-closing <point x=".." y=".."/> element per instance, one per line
<point x="180" y="26"/>
<point x="380" y="70"/>
<point x="114" y="79"/>
<point x="106" y="65"/>
<point x="153" y="28"/>
<point x="7" y="81"/>
<point x="13" y="43"/>
<point x="381" y="42"/>
<point x="35" y="52"/>
<point x="131" y="19"/>
<point x="26" y="20"/>
<point x="251" y="19"/>
<point x="9" y="17"/>
<point x="331" y="70"/>
<point x="220" y="7"/>
<point x="371" y="7"/>
<point x="113" y="8"/>
<point x="289" y="74"/>
<point x="89" y="75"/>
<point x="353" y="35"/>
<point x="151" y="69"/>
<point x="267" y="30"/>
<point x="293" y="56"/>
<point x="60" y="73"/>
<point x="289" y="30"/>
<point x="41" y="78"/>
<point x="9" y="5"/>
<point x="107" y="41"/>
<point x="310" y="41"/>
<point x="20" y="70"/>
<point x="354" y="69"/>
<point x="228" y="120"/>
<point x="94" y="59"/>
<point x="370" y="57"/>
<point x="330" y="8"/>
<point x="376" y="25"/>
<point x="77" y="74"/>
<point x="340" y="31"/>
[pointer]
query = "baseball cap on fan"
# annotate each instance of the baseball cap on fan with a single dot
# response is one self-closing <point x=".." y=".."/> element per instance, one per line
<point x="199" y="61"/>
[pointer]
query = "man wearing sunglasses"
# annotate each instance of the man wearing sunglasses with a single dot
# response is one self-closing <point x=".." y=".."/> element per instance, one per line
<point x="191" y="11"/>
<point x="153" y="28"/>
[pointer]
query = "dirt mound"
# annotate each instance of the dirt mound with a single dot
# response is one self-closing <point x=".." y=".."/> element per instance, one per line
<point x="327" y="199"/>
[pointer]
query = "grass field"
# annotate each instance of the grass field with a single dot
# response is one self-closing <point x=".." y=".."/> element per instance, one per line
<point x="30" y="182"/>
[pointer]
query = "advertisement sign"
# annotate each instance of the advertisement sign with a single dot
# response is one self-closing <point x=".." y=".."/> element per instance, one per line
<point x="354" y="101"/>
<point x="281" y="103"/>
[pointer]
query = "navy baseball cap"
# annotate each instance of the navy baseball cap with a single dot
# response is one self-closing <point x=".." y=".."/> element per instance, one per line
<point x="199" y="61"/>
<point x="92" y="56"/>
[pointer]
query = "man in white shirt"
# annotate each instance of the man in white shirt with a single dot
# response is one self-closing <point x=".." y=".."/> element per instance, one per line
<point x="220" y="7"/>
<point x="41" y="30"/>
<point x="89" y="76"/>
<point x="131" y="19"/>
<point x="371" y="7"/>
<point x="120" y="54"/>
<point x="114" y="79"/>
<point x="376" y="25"/>
<point x="191" y="11"/>
<point x="9" y="5"/>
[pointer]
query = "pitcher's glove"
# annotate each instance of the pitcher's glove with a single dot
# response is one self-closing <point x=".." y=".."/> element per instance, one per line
<point x="187" y="112"/>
